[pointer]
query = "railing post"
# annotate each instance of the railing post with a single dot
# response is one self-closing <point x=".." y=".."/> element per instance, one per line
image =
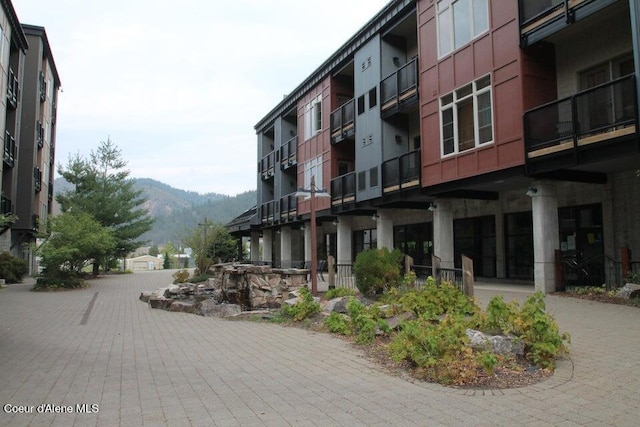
<point x="435" y="268"/>
<point x="467" y="276"/>
<point x="331" y="261"/>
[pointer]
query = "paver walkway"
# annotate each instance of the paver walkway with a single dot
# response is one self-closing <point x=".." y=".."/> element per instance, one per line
<point x="137" y="366"/>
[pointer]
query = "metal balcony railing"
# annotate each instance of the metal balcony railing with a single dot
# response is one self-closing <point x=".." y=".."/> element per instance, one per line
<point x="267" y="212"/>
<point x="13" y="89"/>
<point x="9" y="156"/>
<point x="401" y="173"/>
<point x="400" y="87"/>
<point x="533" y="10"/>
<point x="43" y="88"/>
<point x="289" y="153"/>
<point x="598" y="114"/>
<point x="343" y="122"/>
<point x="37" y="179"/>
<point x="343" y="190"/>
<point x="6" y="207"/>
<point x="40" y="134"/>
<point x="267" y="165"/>
<point x="288" y="208"/>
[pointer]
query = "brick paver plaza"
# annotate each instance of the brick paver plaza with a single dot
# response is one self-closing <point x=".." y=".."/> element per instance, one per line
<point x="132" y="365"/>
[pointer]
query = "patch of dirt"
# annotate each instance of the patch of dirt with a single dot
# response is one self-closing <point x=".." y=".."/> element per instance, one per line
<point x="600" y="297"/>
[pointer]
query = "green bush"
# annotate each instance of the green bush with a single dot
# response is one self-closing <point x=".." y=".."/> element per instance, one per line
<point x="431" y="301"/>
<point x="180" y="276"/>
<point x="365" y="321"/>
<point x="376" y="270"/>
<point x="59" y="281"/>
<point x="12" y="269"/>
<point x="200" y="278"/>
<point x="339" y="292"/>
<point x="633" y="278"/>
<point x="304" y="308"/>
<point x="338" y="324"/>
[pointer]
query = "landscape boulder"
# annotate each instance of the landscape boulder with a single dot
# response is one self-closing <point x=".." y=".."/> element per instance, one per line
<point x="497" y="344"/>
<point x="628" y="291"/>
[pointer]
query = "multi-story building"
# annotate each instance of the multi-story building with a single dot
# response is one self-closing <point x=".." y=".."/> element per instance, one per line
<point x="13" y="46"/>
<point x="503" y="130"/>
<point x="36" y="155"/>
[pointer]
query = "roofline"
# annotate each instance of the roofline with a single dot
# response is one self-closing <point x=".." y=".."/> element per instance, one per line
<point x="16" y="28"/>
<point x="38" y="31"/>
<point x="370" y="29"/>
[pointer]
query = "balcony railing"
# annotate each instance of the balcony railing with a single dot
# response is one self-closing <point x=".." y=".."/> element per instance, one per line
<point x="541" y="18"/>
<point x="289" y="153"/>
<point x="43" y="88"/>
<point x="35" y="221"/>
<point x="13" y="89"/>
<point x="343" y="122"/>
<point x="50" y="193"/>
<point x="288" y="208"/>
<point x="40" y="134"/>
<point x="37" y="179"/>
<point x="343" y="191"/>
<point x="9" y="156"/>
<point x="601" y="113"/>
<point x="267" y="165"/>
<point x="402" y="172"/>
<point x="267" y="212"/>
<point x="6" y="207"/>
<point x="400" y="87"/>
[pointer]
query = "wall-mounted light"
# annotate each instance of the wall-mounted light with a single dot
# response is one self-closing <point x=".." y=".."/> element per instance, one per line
<point x="398" y="139"/>
<point x="396" y="61"/>
<point x="432" y="207"/>
<point x="375" y="217"/>
<point x="532" y="191"/>
<point x="278" y="231"/>
<point x="335" y="222"/>
<point x="302" y="227"/>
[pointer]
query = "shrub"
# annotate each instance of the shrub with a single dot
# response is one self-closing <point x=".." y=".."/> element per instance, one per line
<point x="431" y="301"/>
<point x="633" y="278"/>
<point x="180" y="276"/>
<point x="12" y="269"/>
<point x="59" y="281"/>
<point x="339" y="292"/>
<point x="365" y="321"/>
<point x="338" y="324"/>
<point x="304" y="308"/>
<point x="200" y="278"/>
<point x="376" y="270"/>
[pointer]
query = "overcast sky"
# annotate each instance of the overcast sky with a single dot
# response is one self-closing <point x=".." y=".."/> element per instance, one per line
<point x="179" y="85"/>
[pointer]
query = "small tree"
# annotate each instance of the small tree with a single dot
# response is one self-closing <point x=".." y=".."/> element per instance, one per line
<point x="210" y="245"/>
<point x="377" y="269"/>
<point x="76" y="240"/>
<point x="153" y="250"/>
<point x="12" y="269"/>
<point x="167" y="262"/>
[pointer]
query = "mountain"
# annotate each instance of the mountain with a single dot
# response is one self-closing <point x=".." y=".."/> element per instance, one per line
<point x="177" y="211"/>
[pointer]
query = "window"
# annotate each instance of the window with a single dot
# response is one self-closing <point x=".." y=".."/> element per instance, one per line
<point x="362" y="181"/>
<point x="313" y="117"/>
<point x="360" y="104"/>
<point x="466" y="117"/>
<point x="459" y="22"/>
<point x="373" y="97"/>
<point x="364" y="240"/>
<point x="373" y="176"/>
<point x="313" y="168"/>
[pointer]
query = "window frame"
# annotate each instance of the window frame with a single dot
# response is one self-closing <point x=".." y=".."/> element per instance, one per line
<point x="445" y="10"/>
<point x="313" y="167"/>
<point x="313" y="117"/>
<point x="452" y="105"/>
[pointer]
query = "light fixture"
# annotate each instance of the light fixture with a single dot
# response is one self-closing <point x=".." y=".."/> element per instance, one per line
<point x="375" y="217"/>
<point x="532" y="191"/>
<point x="398" y="139"/>
<point x="432" y="207"/>
<point x="302" y="227"/>
<point x="336" y="222"/>
<point x="278" y="231"/>
<point x="396" y="61"/>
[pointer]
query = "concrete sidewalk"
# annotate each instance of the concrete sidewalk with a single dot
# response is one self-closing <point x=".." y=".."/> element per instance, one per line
<point x="132" y="365"/>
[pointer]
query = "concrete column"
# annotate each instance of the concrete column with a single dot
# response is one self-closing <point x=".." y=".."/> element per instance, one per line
<point x="384" y="229"/>
<point x="345" y="248"/>
<point x="546" y="234"/>
<point x="267" y="245"/>
<point x="443" y="232"/>
<point x="307" y="242"/>
<point x="285" y="247"/>
<point x="255" y="246"/>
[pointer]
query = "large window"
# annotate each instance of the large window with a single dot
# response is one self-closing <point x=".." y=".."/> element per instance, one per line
<point x="313" y="168"/>
<point x="313" y="117"/>
<point x="466" y="117"/>
<point x="364" y="240"/>
<point x="459" y="22"/>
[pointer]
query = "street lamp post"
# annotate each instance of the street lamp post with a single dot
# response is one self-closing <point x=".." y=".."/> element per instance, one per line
<point x="311" y="193"/>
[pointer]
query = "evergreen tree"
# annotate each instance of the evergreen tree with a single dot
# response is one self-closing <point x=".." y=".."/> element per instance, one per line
<point x="167" y="262"/>
<point x="103" y="189"/>
<point x="210" y="243"/>
<point x="153" y="250"/>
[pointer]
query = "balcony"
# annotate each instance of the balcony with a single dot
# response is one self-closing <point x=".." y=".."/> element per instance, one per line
<point x="13" y="89"/>
<point x="542" y="18"/>
<point x="9" y="156"/>
<point x="289" y="153"/>
<point x="288" y="208"/>
<point x="267" y="165"/>
<point x="400" y="89"/>
<point x="35" y="222"/>
<point x="6" y="207"/>
<point x="40" y="135"/>
<point x="267" y="213"/>
<point x="37" y="179"/>
<point x="343" y="192"/>
<point x="401" y="173"/>
<point x="43" y="88"/>
<point x="590" y="126"/>
<point x="50" y="193"/>
<point x="342" y="122"/>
